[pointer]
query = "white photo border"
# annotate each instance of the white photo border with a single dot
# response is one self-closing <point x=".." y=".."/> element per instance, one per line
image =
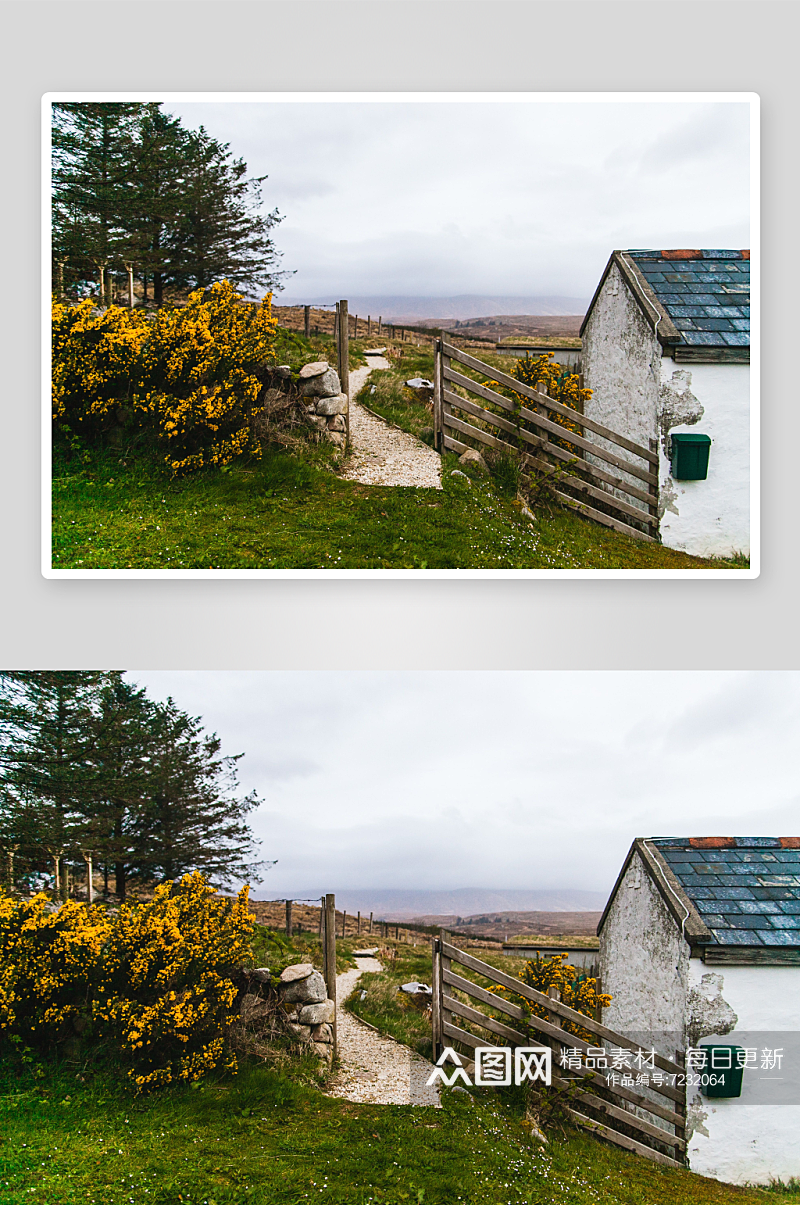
<point x="750" y="98"/>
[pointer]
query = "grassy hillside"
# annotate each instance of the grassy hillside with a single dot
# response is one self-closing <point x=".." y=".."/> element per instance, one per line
<point x="116" y="509"/>
<point x="270" y="1136"/>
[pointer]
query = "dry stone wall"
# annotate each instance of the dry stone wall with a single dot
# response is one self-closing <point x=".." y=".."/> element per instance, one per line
<point x="299" y="1005"/>
<point x="325" y="404"/>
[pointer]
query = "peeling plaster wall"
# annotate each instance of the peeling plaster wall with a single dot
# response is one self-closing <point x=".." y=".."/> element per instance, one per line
<point x="645" y="397"/>
<point x="644" y="964"/>
<point x="731" y="1139"/>
<point x="711" y="517"/>
<point x="621" y="356"/>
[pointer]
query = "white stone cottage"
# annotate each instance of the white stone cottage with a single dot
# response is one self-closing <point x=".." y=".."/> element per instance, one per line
<point x="666" y="352"/>
<point x="700" y="943"/>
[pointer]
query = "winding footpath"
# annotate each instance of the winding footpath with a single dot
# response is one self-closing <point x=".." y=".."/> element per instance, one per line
<point x="381" y="454"/>
<point x="374" y="1069"/>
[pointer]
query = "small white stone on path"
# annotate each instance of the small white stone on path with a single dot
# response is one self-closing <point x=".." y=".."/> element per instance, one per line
<point x="374" y="1069"/>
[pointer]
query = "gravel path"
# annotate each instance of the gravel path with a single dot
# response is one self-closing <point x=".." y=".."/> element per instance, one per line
<point x="383" y="455"/>
<point x="373" y="1069"/>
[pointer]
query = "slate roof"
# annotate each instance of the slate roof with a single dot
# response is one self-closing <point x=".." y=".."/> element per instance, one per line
<point x="746" y="889"/>
<point x="705" y="293"/>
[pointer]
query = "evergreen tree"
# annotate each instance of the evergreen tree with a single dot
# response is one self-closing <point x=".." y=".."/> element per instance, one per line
<point x="92" y="149"/>
<point x="47" y="777"/>
<point x="121" y="760"/>
<point x="192" y="818"/>
<point x="132" y="185"/>
<point x="89" y="762"/>
<point x="222" y="233"/>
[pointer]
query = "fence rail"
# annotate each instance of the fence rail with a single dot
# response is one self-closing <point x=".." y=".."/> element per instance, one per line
<point x="530" y="430"/>
<point x="620" y="1114"/>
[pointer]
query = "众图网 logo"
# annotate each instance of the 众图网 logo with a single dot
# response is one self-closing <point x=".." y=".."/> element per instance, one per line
<point x="493" y="1066"/>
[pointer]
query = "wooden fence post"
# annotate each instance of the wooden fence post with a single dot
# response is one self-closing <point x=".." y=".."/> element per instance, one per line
<point x="438" y="433"/>
<point x="380" y="323"/>
<point x="445" y="361"/>
<point x="653" y="488"/>
<point x="436" y="996"/>
<point x="87" y="857"/>
<point x="343" y="349"/>
<point x="288" y="918"/>
<point x="370" y="922"/>
<point x="344" y="924"/>
<point x="330" y="956"/>
<point x="322" y="926"/>
<point x="445" y="1014"/>
<point x="369" y="325"/>
<point x="358" y="924"/>
<point x="307" y="321"/>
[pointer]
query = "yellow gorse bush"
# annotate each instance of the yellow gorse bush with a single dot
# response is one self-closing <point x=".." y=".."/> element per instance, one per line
<point x="185" y="376"/>
<point x="153" y="982"/>
<point x="562" y="386"/>
<point x="575" y="990"/>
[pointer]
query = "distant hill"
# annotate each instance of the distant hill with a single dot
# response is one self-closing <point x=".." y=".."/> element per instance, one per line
<point x="464" y="902"/>
<point x="504" y="925"/>
<point x="467" y="305"/>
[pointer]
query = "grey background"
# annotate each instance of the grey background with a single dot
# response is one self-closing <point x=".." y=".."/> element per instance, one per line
<point x="380" y="46"/>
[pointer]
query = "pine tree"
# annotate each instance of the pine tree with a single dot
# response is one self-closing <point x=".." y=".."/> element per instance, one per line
<point x="132" y="185"/>
<point x="222" y="233"/>
<point x="92" y="147"/>
<point x="89" y="762"/>
<point x="192" y="818"/>
<point x="47" y="776"/>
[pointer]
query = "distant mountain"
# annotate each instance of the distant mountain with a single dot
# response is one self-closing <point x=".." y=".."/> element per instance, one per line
<point x="466" y="901"/>
<point x="467" y="305"/>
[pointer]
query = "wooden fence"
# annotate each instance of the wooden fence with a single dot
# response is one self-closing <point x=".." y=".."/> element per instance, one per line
<point x="626" y="505"/>
<point x="622" y="1114"/>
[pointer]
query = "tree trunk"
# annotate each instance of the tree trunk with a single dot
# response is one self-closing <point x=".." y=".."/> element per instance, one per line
<point x="119" y="881"/>
<point x="158" y="288"/>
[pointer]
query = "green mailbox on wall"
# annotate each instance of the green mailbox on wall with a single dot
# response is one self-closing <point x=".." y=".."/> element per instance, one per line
<point x="723" y="1071"/>
<point x="690" y="456"/>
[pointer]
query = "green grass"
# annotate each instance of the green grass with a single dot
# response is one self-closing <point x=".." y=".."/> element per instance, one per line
<point x="119" y="509"/>
<point x="290" y="511"/>
<point x="263" y="1138"/>
<point x="70" y="1135"/>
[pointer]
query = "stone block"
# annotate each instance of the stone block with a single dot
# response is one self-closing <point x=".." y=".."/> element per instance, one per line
<point x="475" y="459"/>
<point x="321" y="1033"/>
<point x="309" y="371"/>
<point x="300" y="970"/>
<point x="302" y="1033"/>
<point x="332" y="405"/>
<point x="317" y="1014"/>
<point x="310" y="990"/>
<point x="327" y="385"/>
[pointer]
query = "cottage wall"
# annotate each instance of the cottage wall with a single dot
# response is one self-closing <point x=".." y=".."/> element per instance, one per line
<point x="621" y="357"/>
<point x="711" y="517"/>
<point x="644" y="964"/>
<point x="734" y="1139"/>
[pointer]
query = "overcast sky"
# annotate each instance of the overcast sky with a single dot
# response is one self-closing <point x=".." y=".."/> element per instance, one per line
<point x="525" y="780"/>
<point x="434" y="199"/>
